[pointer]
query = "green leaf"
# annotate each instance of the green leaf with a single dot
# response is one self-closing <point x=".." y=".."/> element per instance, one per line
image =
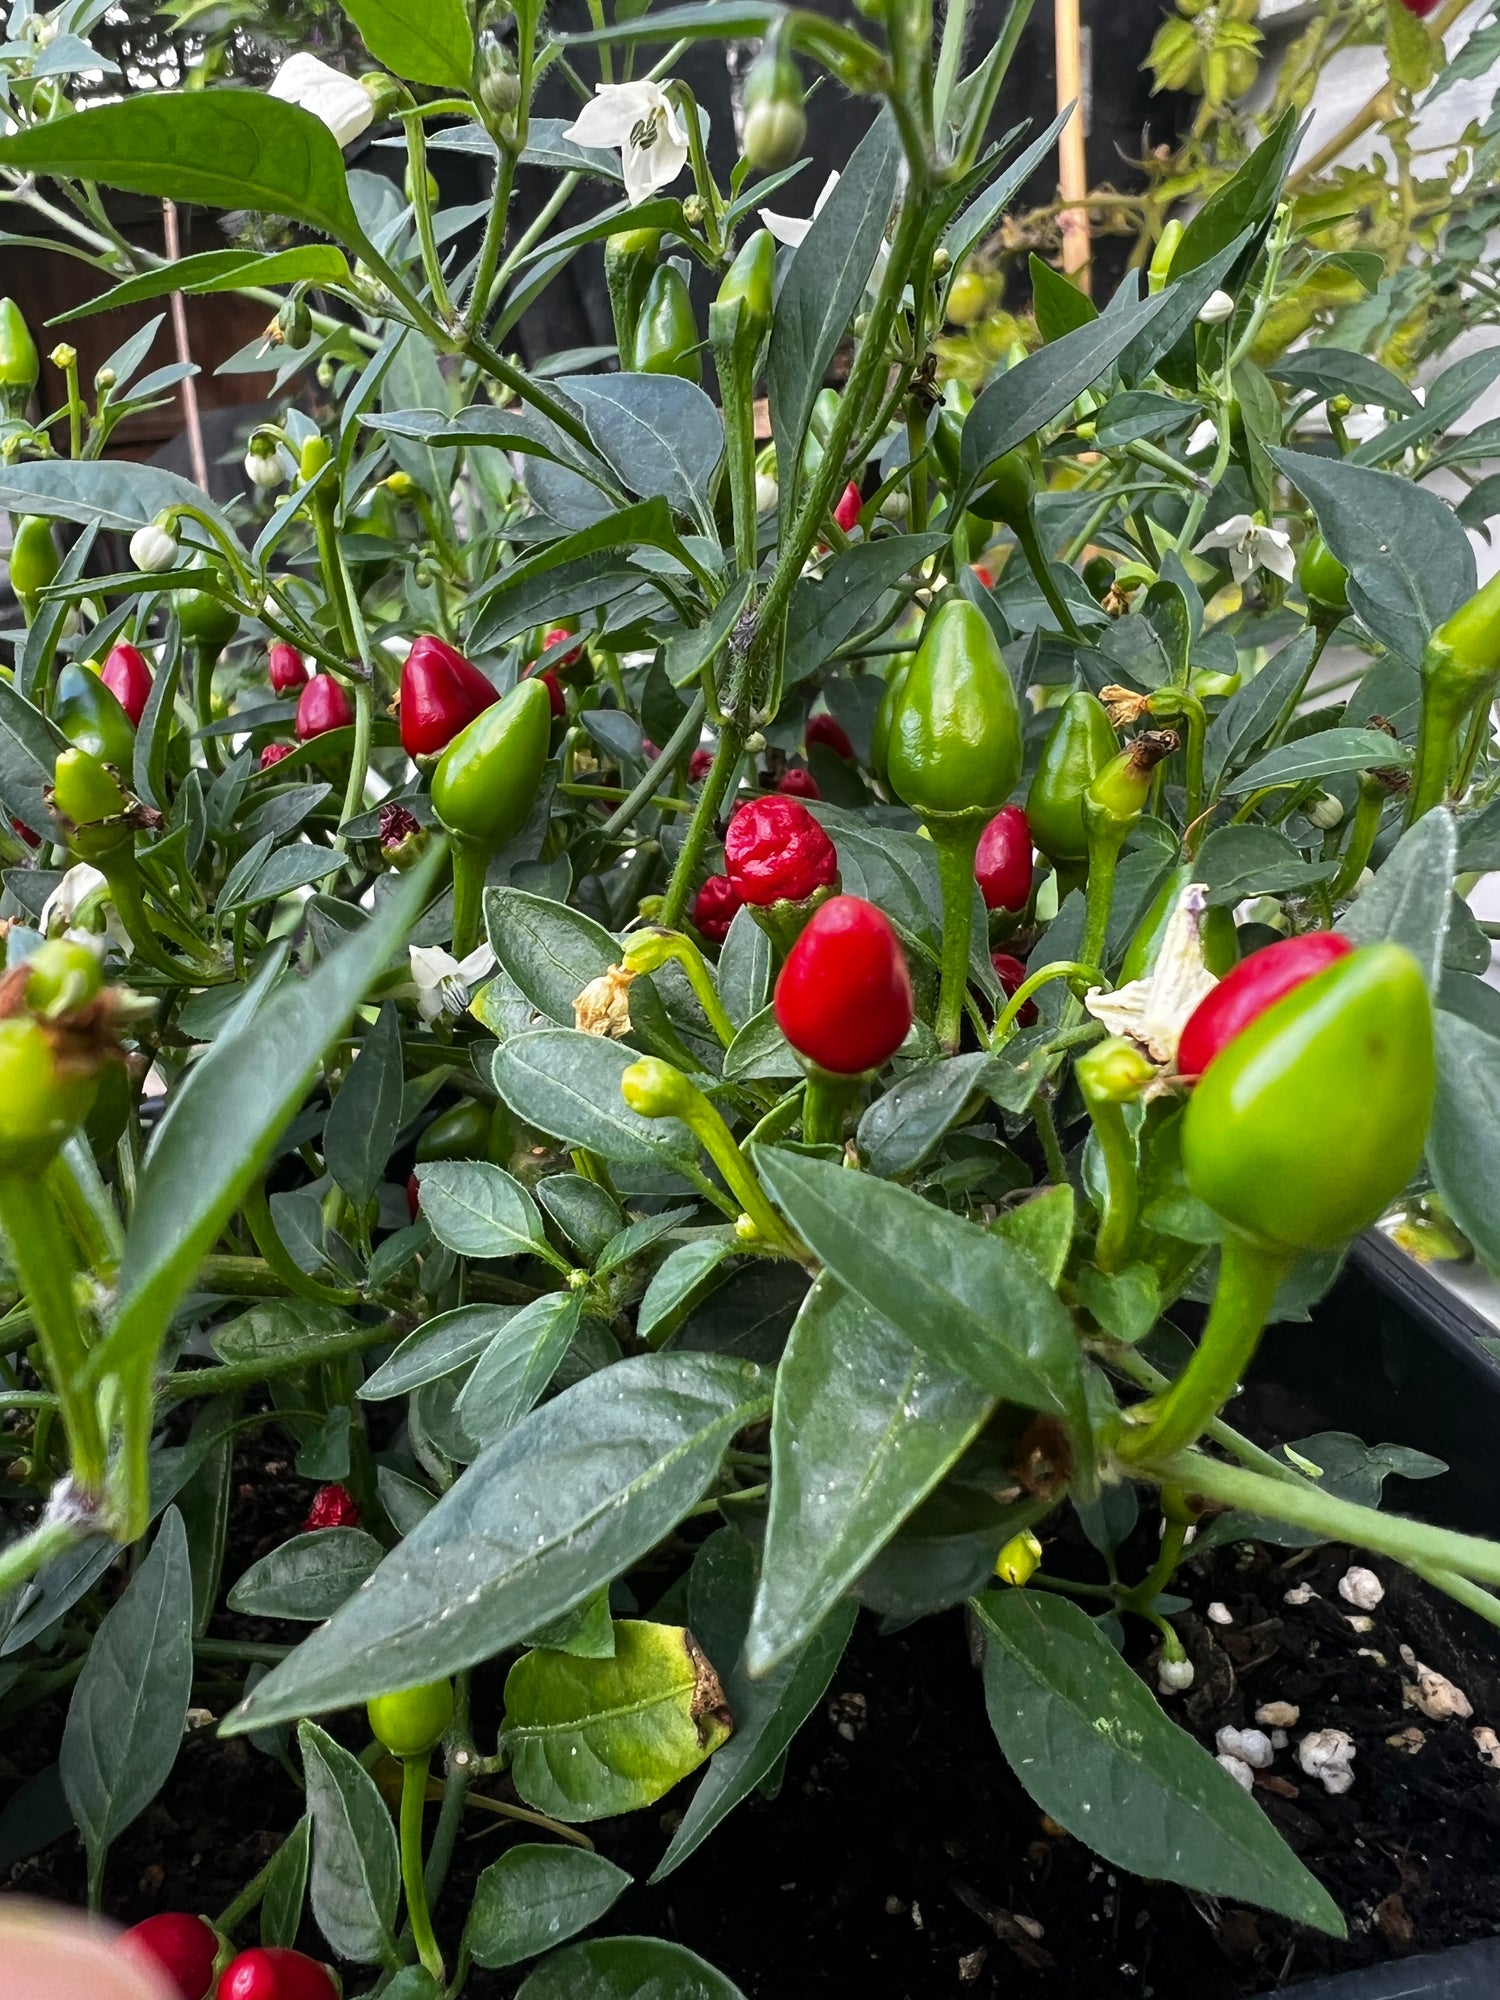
<point x="1463" y="1145"/>
<point x="223" y="1122"/>
<point x="1409" y="561"/>
<point x="1409" y="902"/>
<point x="118" y="494"/>
<point x="827" y="609"/>
<point x="549" y="951"/>
<point x="1018" y="403"/>
<point x="567" y="1084"/>
<point x="862" y="1429"/>
<point x="222" y="148"/>
<point x="698" y="20"/>
<point x="1042" y="1227"/>
<point x="1182" y="301"/>
<point x="1241" y="861"/>
<point x="1339" y="371"/>
<point x="130" y="1702"/>
<point x="222" y="271"/>
<point x="533" y="1897"/>
<point x="432" y="43"/>
<point x="563" y="1504"/>
<point x="438" y="1347"/>
<point x="1321" y="755"/>
<point x="677" y="1278"/>
<point x="1248" y="717"/>
<point x="590" y="1738"/>
<point x="1095" y="1751"/>
<point x="518" y="1365"/>
<point x="587" y="1214"/>
<point x="286" y="1887"/>
<point x="365" y="1118"/>
<point x="972" y="1301"/>
<point x="630" y="1968"/>
<point x="658" y="434"/>
<point x="767" y="1712"/>
<point x="478" y="1210"/>
<point x="356" y="1875"/>
<point x="1245" y="202"/>
<point x="274" y="1332"/>
<point x="977" y="219"/>
<point x="1060" y="306"/>
<point x="901" y="1128"/>
<point x="307" y="1577"/>
<point x="823" y="286"/>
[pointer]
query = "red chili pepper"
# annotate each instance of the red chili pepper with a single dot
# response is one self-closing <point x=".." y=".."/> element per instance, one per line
<point x="440" y="695"/>
<point x="1012" y="975"/>
<point x="271" y="1972"/>
<point x="1003" y="861"/>
<point x="555" y="694"/>
<point x="332" y="1507"/>
<point x="181" y="1948"/>
<point x="844" y="996"/>
<point x="1255" y="984"/>
<point x="322" y="706"/>
<point x="847" y="511"/>
<point x="714" y="908"/>
<point x="273" y="754"/>
<point x="831" y="733"/>
<point x="984" y="574"/>
<point x="776" y="852"/>
<point x="799" y="784"/>
<point x="1421" y="8"/>
<point x="31" y="839"/>
<point x="128" y="679"/>
<point x="649" y="750"/>
<point x="287" y="668"/>
<point x="555" y="635"/>
<point x="413" y="1196"/>
<point x="699" y="765"/>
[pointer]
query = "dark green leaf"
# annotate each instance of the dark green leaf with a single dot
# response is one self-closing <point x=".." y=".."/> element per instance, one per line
<point x="1463" y="1146"/>
<point x="533" y="1898"/>
<point x="1059" y="305"/>
<point x="631" y="1968"/>
<point x="518" y="1364"/>
<point x="1321" y="755"/>
<point x="356" y="1876"/>
<point x="1408" y="903"/>
<point x="307" y="1577"/>
<point x="440" y="1347"/>
<point x="548" y="950"/>
<point x="659" y="434"/>
<point x="222" y="271"/>
<point x="1247" y="718"/>
<point x="286" y="1887"/>
<point x="116" y="493"/>
<point x="862" y="1429"/>
<point x="1241" y="861"/>
<point x="828" y="609"/>
<point x="563" y="1503"/>
<point x="901" y="1128"/>
<point x="432" y="43"/>
<point x="365" y="1117"/>
<point x="1339" y="371"/>
<point x="568" y="1084"/>
<point x="1086" y="1739"/>
<point x="478" y="1210"/>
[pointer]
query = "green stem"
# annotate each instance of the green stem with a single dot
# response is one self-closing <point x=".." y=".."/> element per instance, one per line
<point x="124" y="880"/>
<point x="726" y="762"/>
<point x="1334" y="1520"/>
<point x="257" y="1212"/>
<point x="22" y="1558"/>
<point x="1030" y="543"/>
<point x="956" y="842"/>
<point x="413" y="1876"/>
<point x="1437" y="750"/>
<point x="232" y="1376"/>
<point x="1052" y="1152"/>
<point x="41" y="1255"/>
<point x="432" y="263"/>
<point x="1118" y="1211"/>
<point x="359" y="761"/>
<point x="1063" y="968"/>
<point x="1104" y="855"/>
<point x="1362" y="831"/>
<point x="825" y="1105"/>
<point x="457" y="1776"/>
<point x="1151" y="1586"/>
<point x="205" y="659"/>
<point x="470" y="866"/>
<point x="1249" y="1274"/>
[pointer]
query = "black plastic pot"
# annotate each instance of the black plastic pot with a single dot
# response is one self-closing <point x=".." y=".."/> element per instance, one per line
<point x="1393" y="1354"/>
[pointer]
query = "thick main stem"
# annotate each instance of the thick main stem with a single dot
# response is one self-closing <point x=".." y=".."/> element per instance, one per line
<point x="470" y="865"/>
<point x="726" y="762"/>
<point x="1249" y="1274"/>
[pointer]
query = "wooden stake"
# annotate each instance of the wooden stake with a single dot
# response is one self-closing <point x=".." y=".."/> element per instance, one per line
<point x="1073" y="172"/>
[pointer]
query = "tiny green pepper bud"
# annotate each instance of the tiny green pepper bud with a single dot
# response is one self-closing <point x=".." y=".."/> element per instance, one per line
<point x="775" y="119"/>
<point x="413" y="1722"/>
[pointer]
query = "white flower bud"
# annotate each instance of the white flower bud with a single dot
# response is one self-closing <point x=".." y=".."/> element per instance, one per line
<point x="767" y="494"/>
<point x="1324" y="811"/>
<point x="263" y="466"/>
<point x="341" y="104"/>
<point x="1216" y="308"/>
<point x="152" y="549"/>
<point x="1172" y="1676"/>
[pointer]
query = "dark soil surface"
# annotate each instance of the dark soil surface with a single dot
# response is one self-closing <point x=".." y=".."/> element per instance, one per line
<point x="901" y="1860"/>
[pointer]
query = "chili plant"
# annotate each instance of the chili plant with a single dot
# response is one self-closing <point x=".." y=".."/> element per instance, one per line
<point x="692" y="1018"/>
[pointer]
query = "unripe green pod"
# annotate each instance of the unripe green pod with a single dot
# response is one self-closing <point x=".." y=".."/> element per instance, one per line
<point x="775" y="117"/>
<point x="955" y="741"/>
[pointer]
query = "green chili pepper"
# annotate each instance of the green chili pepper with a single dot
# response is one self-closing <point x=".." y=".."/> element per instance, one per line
<point x="483" y="791"/>
<point x="413" y="1722"/>
<point x="953" y="756"/>
<point x="1111" y="1075"/>
<point x="1221" y="950"/>
<point x="1301" y="1131"/>
<point x="748" y="283"/>
<point x="205" y="619"/>
<point x="1081" y="744"/>
<point x="666" y="334"/>
<point x="775" y="118"/>
<point x="1160" y="268"/>
<point x="33" y="562"/>
<point x="20" y="365"/>
<point x="629" y="265"/>
<point x="1460" y="670"/>
<point x="42" y="1096"/>
<point x="1324" y="580"/>
<point x="94" y="804"/>
<point x="738" y="321"/>
<point x="1008" y="486"/>
<point x="91" y="717"/>
<point x="469" y="1131"/>
<point x="880" y="736"/>
<point x="1112" y="807"/>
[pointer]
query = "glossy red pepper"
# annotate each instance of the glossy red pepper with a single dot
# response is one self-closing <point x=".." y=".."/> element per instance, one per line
<point x="322" y="706"/>
<point x="843" y="999"/>
<point x="128" y="679"/>
<point x="714" y="908"/>
<point x="847" y="511"/>
<point x="557" y="635"/>
<point x="441" y="693"/>
<point x="775" y="851"/>
<point x="799" y="784"/>
<point x="1255" y="984"/>
<point x="1003" y="861"/>
<point x="271" y="1972"/>
<point x="332" y="1507"/>
<point x="699" y="765"/>
<point x="555" y="695"/>
<point x="1421" y="8"/>
<point x="31" y="839"/>
<point x="1012" y="975"/>
<point x="413" y="1196"/>
<point x="273" y="754"/>
<point x="287" y="669"/>
<point x="181" y="1948"/>
<point x="830" y="732"/>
